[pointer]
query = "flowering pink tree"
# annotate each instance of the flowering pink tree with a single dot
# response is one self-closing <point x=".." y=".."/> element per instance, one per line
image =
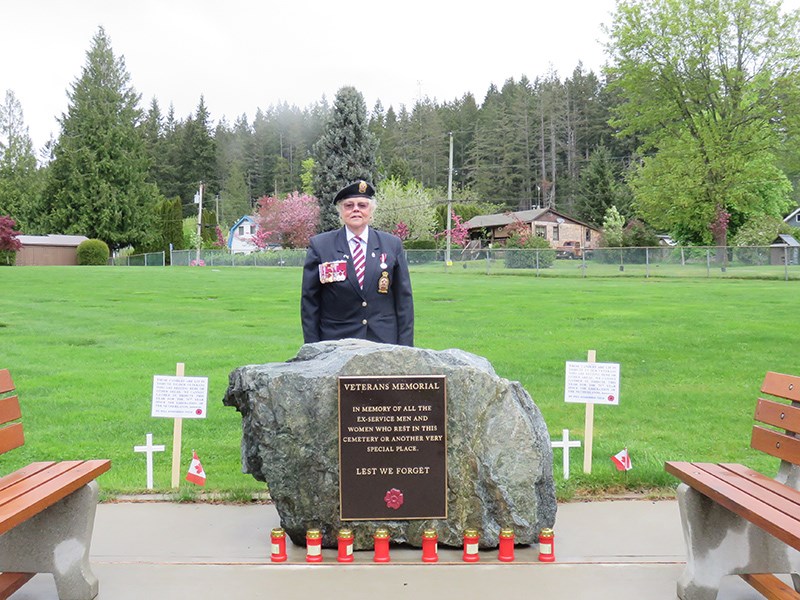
<point x="719" y="229"/>
<point x="290" y="221"/>
<point x="519" y="232"/>
<point x="401" y="231"/>
<point x="220" y="243"/>
<point x="719" y="226"/>
<point x="262" y="238"/>
<point x="459" y="234"/>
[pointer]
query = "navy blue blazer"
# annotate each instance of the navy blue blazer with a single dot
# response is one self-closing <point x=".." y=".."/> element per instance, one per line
<point x="340" y="309"/>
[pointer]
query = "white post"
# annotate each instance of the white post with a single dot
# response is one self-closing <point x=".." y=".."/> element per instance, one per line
<point x="148" y="449"/>
<point x="565" y="444"/>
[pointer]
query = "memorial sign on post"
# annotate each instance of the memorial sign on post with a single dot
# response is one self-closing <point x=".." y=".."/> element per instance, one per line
<point x="393" y="447"/>
<point x="179" y="398"/>
<point x="591" y="383"/>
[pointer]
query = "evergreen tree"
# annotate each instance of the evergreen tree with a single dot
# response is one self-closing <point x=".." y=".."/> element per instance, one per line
<point x="235" y="196"/>
<point x="198" y="161"/>
<point x="598" y="188"/>
<point x="166" y="174"/>
<point x="459" y="117"/>
<point x="20" y="180"/>
<point x="98" y="181"/>
<point x="345" y="152"/>
<point x="172" y="224"/>
<point x="427" y="145"/>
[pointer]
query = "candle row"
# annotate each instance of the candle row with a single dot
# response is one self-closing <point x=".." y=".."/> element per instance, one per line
<point x="430" y="546"/>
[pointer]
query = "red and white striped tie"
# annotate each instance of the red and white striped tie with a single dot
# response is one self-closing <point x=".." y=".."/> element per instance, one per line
<point x="359" y="261"/>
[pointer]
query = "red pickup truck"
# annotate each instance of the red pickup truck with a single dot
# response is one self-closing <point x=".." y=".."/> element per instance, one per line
<point x="572" y="250"/>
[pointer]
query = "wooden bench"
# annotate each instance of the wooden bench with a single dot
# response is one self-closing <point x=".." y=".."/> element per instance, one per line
<point x="47" y="514"/>
<point x="737" y="521"/>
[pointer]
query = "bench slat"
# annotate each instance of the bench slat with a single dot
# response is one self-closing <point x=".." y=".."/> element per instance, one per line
<point x="11" y="582"/>
<point x="770" y="586"/>
<point x="768" y="518"/>
<point x="39" y="495"/>
<point x="6" y="384"/>
<point x="776" y="487"/>
<point x="11" y="436"/>
<point x="22" y="473"/>
<point x="782" y="386"/>
<point x="23" y="486"/>
<point x="777" y="414"/>
<point x="786" y="503"/>
<point x="9" y="409"/>
<point x="776" y="444"/>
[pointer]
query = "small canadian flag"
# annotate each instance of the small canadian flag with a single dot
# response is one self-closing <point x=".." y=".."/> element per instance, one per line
<point x="622" y="460"/>
<point x="196" y="473"/>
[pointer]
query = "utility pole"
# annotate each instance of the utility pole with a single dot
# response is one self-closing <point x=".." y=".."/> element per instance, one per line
<point x="448" y="262"/>
<point x="199" y="200"/>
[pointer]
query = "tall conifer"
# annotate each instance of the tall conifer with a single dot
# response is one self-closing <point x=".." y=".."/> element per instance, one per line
<point x="98" y="181"/>
<point x="345" y="152"/>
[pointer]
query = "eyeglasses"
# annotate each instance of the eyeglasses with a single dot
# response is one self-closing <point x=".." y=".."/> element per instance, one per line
<point x="350" y="206"/>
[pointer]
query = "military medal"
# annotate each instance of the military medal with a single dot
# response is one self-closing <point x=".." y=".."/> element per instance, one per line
<point x="383" y="283"/>
<point x="383" y="261"/>
<point x="330" y="272"/>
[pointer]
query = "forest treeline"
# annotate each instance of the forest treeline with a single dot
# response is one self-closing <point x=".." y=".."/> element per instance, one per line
<point x="523" y="145"/>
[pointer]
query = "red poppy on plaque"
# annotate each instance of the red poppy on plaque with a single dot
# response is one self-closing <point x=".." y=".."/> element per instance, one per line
<point x="394" y="498"/>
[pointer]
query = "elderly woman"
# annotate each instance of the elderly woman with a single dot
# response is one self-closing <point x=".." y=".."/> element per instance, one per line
<point x="355" y="279"/>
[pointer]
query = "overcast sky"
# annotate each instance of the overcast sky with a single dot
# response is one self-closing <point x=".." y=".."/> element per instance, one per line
<point x="247" y="54"/>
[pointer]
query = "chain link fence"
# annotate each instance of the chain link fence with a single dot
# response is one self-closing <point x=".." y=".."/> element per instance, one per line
<point x="151" y="259"/>
<point x="762" y="262"/>
<point x="224" y="258"/>
<point x="757" y="262"/>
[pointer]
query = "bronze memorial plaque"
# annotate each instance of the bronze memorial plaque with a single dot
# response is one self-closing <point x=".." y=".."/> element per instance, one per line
<point x="392" y="448"/>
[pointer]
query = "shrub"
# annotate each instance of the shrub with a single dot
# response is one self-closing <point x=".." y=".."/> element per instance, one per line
<point x="7" y="258"/>
<point x="529" y="252"/>
<point x="421" y="251"/>
<point x="419" y="245"/>
<point x="93" y="252"/>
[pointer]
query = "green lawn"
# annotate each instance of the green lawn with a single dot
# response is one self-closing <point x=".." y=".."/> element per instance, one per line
<point x="84" y="343"/>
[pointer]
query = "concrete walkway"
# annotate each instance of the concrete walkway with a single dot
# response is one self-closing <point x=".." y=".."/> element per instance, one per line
<point x="625" y="550"/>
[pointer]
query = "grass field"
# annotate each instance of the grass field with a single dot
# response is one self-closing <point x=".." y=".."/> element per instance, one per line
<point x="83" y="345"/>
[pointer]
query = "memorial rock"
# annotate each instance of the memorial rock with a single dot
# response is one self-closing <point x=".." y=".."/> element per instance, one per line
<point x="499" y="458"/>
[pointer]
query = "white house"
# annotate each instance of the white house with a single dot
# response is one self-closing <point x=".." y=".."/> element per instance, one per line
<point x="240" y="237"/>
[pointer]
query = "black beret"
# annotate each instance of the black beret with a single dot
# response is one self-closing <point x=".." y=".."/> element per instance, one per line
<point x="357" y="189"/>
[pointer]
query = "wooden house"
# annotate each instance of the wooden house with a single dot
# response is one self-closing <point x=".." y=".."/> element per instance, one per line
<point x="560" y="230"/>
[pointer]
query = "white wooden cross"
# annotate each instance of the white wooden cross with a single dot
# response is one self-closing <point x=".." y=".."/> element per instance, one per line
<point x="566" y="444"/>
<point x="149" y="448"/>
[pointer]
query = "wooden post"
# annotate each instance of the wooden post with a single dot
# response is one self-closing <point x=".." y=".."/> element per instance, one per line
<point x="177" y="432"/>
<point x="588" y="426"/>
